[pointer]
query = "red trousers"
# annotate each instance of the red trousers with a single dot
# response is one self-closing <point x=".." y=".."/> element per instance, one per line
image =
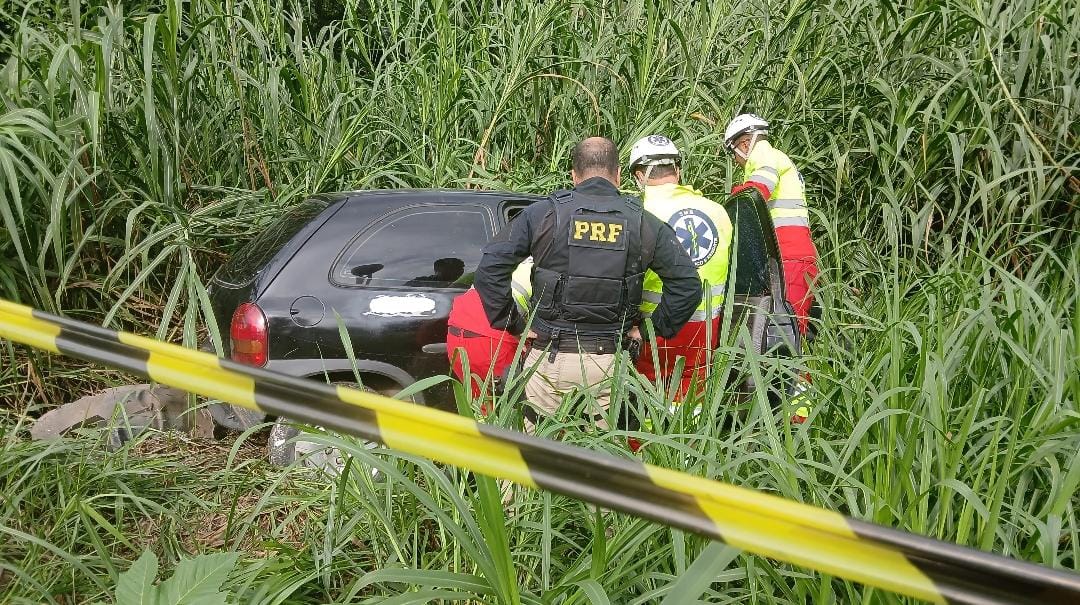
<point x="490" y="351"/>
<point x="693" y="342"/>
<point x="800" y="269"/>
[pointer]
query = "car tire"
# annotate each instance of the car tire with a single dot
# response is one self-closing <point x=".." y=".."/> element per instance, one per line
<point x="228" y="416"/>
<point x="284" y="449"/>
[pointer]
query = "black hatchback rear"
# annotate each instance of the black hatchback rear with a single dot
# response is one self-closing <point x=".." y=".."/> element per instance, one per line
<point x="381" y="266"/>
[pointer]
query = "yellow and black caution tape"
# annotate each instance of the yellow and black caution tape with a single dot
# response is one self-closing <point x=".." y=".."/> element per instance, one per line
<point x="766" y="525"/>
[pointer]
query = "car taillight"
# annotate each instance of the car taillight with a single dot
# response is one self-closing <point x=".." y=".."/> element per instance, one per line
<point x="248" y="335"/>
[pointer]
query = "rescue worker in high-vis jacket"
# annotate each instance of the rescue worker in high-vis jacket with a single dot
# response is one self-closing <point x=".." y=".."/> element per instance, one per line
<point x="772" y="173"/>
<point x="590" y="248"/>
<point x="490" y="351"/>
<point x="704" y="230"/>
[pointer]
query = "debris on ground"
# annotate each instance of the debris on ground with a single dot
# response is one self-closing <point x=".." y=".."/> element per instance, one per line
<point x="127" y="410"/>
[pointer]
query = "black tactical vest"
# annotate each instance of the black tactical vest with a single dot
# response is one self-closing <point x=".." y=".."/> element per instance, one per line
<point x="587" y="279"/>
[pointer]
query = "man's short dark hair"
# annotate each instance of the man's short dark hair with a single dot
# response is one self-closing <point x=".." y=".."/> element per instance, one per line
<point x="660" y="171"/>
<point x="596" y="156"/>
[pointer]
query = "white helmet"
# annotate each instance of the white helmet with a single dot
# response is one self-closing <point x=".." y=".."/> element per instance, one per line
<point x="746" y="123"/>
<point x="654" y="150"/>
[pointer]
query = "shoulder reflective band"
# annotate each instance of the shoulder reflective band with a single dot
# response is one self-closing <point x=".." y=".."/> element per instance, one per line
<point x="762" y="524"/>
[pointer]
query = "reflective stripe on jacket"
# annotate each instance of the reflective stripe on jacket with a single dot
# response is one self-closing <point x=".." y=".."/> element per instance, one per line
<point x="774" y="170"/>
<point x="521" y="284"/>
<point x="704" y="229"/>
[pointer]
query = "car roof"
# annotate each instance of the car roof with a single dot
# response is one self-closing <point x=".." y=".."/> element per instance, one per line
<point x="448" y="195"/>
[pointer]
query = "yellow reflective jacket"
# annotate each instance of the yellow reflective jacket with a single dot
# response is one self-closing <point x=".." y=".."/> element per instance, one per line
<point x="773" y="169"/>
<point x="705" y="231"/>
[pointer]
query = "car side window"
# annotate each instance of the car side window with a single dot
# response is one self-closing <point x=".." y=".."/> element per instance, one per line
<point x="512" y="208"/>
<point x="422" y="247"/>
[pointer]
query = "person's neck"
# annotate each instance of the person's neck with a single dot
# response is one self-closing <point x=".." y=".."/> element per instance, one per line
<point x="595" y="176"/>
<point x="669" y="180"/>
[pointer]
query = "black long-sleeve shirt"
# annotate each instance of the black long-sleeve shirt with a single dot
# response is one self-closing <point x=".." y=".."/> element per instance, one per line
<point x="681" y="285"/>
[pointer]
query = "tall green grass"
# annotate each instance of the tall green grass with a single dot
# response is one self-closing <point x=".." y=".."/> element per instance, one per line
<point x="136" y="140"/>
<point x="141" y="143"/>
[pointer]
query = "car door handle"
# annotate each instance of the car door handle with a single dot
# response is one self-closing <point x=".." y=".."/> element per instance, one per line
<point x="435" y="348"/>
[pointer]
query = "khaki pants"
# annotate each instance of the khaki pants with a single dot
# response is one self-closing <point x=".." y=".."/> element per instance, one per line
<point x="569" y="372"/>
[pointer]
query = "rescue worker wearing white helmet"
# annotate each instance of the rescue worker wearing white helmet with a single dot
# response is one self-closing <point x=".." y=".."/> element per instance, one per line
<point x="704" y="230"/>
<point x="772" y="173"/>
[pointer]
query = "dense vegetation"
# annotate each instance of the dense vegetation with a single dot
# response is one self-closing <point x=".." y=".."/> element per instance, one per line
<point x="142" y="142"/>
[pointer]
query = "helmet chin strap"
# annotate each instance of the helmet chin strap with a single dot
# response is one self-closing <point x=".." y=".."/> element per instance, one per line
<point x="644" y="181"/>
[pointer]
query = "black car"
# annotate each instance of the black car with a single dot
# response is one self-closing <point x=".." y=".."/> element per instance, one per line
<point x="385" y="265"/>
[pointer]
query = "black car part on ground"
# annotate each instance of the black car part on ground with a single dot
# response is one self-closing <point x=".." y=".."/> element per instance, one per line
<point x="758" y="286"/>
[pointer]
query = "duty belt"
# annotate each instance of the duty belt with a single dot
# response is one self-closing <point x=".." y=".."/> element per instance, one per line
<point x="595" y="345"/>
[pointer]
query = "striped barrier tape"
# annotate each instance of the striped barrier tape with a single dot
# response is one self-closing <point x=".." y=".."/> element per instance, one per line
<point x="766" y="525"/>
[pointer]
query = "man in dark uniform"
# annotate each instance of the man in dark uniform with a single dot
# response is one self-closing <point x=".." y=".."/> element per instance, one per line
<point x="591" y="247"/>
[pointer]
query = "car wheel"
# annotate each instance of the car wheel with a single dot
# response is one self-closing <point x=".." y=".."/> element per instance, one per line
<point x="228" y="416"/>
<point x="285" y="449"/>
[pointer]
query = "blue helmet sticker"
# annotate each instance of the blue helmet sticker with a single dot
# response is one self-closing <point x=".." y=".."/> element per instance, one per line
<point x="697" y="234"/>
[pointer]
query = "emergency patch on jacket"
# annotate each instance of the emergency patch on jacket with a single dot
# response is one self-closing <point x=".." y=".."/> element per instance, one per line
<point x="697" y="234"/>
<point x="595" y="232"/>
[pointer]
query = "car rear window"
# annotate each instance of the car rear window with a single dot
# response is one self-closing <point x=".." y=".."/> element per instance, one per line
<point x="245" y="265"/>
<point x="421" y="247"/>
